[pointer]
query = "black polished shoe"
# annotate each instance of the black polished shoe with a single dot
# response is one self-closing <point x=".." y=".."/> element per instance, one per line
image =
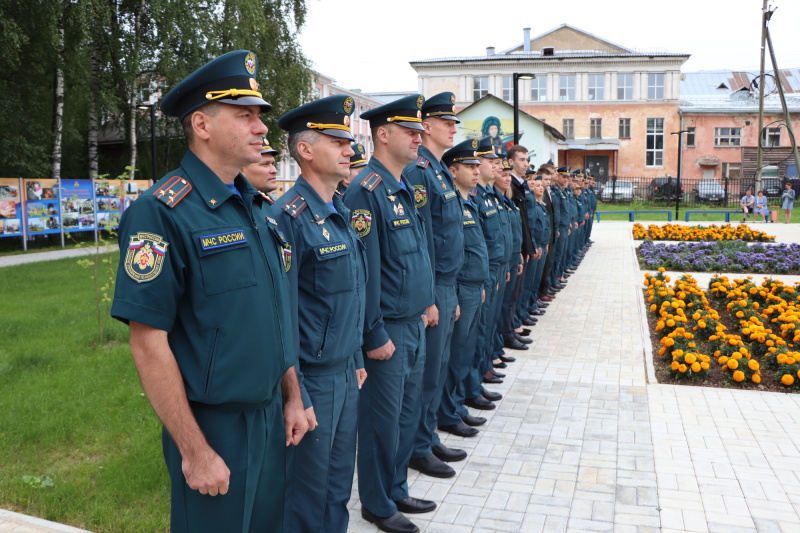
<point x="491" y="396"/>
<point x="530" y="321"/>
<point x="492" y="380"/>
<point x="497" y="374"/>
<point x="501" y="364"/>
<point x="397" y="523"/>
<point x="525" y="332"/>
<point x="524" y="340"/>
<point x="449" y="455"/>
<point x="479" y="403"/>
<point x="542" y="305"/>
<point x="414" y="505"/>
<point x="507" y="359"/>
<point x="431" y="466"/>
<point x="460" y="430"/>
<point x="473" y="421"/>
<point x="514" y="344"/>
<point x="538" y="312"/>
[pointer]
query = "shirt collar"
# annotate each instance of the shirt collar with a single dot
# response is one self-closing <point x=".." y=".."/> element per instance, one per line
<point x="317" y="207"/>
<point x="209" y="186"/>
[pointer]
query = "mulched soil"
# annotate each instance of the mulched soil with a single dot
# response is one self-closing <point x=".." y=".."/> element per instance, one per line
<point x="716" y="376"/>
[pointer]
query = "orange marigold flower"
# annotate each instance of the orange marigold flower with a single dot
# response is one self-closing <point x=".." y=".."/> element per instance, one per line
<point x="752" y="364"/>
<point x="675" y="365"/>
<point x="738" y="376"/>
<point x="733" y="364"/>
<point x="696" y="367"/>
<point x="787" y="380"/>
<point x="690" y="358"/>
<point x="756" y="378"/>
<point x="682" y="369"/>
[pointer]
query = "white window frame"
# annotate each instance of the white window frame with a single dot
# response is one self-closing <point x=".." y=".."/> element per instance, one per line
<point x="595" y="128"/>
<point x="771" y="137"/>
<point x="597" y="85"/>
<point x="568" y="128"/>
<point x="508" y="88"/>
<point x="624" y="128"/>
<point x="539" y="89"/>
<point x="655" y="86"/>
<point x="566" y="87"/>
<point x="654" y="143"/>
<point x="480" y="87"/>
<point x="727" y="137"/>
<point x="624" y="86"/>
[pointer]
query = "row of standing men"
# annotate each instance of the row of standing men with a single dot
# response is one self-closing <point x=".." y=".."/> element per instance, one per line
<point x="253" y="323"/>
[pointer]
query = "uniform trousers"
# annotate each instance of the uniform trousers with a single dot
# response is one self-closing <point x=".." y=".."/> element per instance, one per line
<point x="253" y="445"/>
<point x="511" y="297"/>
<point x="389" y="407"/>
<point x="437" y="355"/>
<point x="319" y="471"/>
<point x="462" y="351"/>
<point x="495" y="340"/>
<point x="473" y="379"/>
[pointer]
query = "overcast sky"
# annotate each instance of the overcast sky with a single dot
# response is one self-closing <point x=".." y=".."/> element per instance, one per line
<point x="367" y="44"/>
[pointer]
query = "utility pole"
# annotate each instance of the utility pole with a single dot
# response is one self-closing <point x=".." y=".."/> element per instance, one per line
<point x="786" y="116"/>
<point x="759" y="156"/>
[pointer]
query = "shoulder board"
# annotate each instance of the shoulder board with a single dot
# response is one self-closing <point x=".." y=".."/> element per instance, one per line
<point x="295" y="206"/>
<point x="422" y="162"/>
<point x="371" y="181"/>
<point x="267" y="198"/>
<point x="173" y="191"/>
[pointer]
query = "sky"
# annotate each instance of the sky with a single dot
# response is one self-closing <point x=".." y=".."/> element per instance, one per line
<point x="368" y="44"/>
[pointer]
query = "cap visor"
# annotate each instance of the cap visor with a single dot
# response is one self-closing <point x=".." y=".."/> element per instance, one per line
<point x="411" y="125"/>
<point x="359" y="165"/>
<point x="341" y="134"/>
<point x="449" y="117"/>
<point x="491" y="156"/>
<point x="247" y="100"/>
<point x="470" y="162"/>
<point x="269" y="151"/>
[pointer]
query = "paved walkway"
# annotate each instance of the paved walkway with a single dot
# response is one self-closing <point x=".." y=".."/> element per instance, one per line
<point x="585" y="440"/>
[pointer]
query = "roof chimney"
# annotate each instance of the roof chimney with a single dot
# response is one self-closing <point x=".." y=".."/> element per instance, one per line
<point x="490" y="50"/>
<point x="526" y="42"/>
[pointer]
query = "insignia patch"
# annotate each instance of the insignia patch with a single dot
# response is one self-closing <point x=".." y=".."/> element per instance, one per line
<point x="287" y="257"/>
<point x="272" y="221"/>
<point x="253" y="84"/>
<point x="347" y="105"/>
<point x="453" y="99"/>
<point x="326" y="234"/>
<point x="398" y="210"/>
<point x="470" y="222"/>
<point x="401" y="222"/>
<point x="449" y="195"/>
<point x="221" y="240"/>
<point x="361" y="221"/>
<point x="467" y="213"/>
<point x="346" y="120"/>
<point x="145" y="256"/>
<point x="474" y="143"/>
<point x="360" y="148"/>
<point x="250" y="63"/>
<point x="332" y="249"/>
<point x="420" y="196"/>
<point x="420" y="101"/>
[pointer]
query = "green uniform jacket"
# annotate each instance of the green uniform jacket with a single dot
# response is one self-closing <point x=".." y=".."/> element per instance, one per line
<point x="209" y="268"/>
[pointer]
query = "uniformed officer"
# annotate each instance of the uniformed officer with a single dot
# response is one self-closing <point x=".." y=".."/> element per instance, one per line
<point x="203" y="286"/>
<point x="561" y="201"/>
<point x="263" y="175"/>
<point x="546" y="288"/>
<point x="399" y="290"/>
<point x="357" y="161"/>
<point x="462" y="163"/>
<point x="328" y="287"/>
<point x="437" y="201"/>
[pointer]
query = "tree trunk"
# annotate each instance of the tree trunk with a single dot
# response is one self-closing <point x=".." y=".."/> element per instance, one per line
<point x="132" y="141"/>
<point x="58" y="100"/>
<point x="92" y="133"/>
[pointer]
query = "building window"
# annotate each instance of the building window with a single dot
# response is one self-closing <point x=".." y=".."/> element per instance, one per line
<point x="655" y="86"/>
<point x="316" y="93"/>
<point x="480" y="87"/>
<point x="568" y="128"/>
<point x="624" y="128"/>
<point x="690" y="137"/>
<point x="596" y="128"/>
<point x="771" y="137"/>
<point x="597" y="84"/>
<point x="508" y="89"/>
<point x="566" y="86"/>
<point x="539" y="89"/>
<point x="727" y="136"/>
<point x="624" y="86"/>
<point x="654" y="153"/>
<point x="732" y="170"/>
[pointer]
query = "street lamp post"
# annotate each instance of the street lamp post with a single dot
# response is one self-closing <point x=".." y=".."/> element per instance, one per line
<point x="152" y="107"/>
<point x="516" y="77"/>
<point x="678" y="190"/>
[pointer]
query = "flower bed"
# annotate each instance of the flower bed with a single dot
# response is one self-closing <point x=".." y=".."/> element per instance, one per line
<point x="677" y="232"/>
<point x="721" y="256"/>
<point x="694" y="342"/>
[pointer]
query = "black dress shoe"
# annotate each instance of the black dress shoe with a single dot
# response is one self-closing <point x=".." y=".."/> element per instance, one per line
<point x="524" y="340"/>
<point x="525" y="332"/>
<point x="414" y="505"/>
<point x="542" y="305"/>
<point x="491" y="396"/>
<point x="461" y="430"/>
<point x="473" y="421"/>
<point x="499" y="365"/>
<point x="479" y="403"/>
<point x="397" y="523"/>
<point x="530" y="321"/>
<point x="497" y="374"/>
<point x="507" y="359"/>
<point x="431" y="466"/>
<point x="448" y="455"/>
<point x="492" y="380"/>
<point x="538" y="312"/>
<point x="514" y="344"/>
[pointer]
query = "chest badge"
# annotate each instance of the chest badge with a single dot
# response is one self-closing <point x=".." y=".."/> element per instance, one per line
<point x="326" y="234"/>
<point x="391" y="197"/>
<point x="398" y="210"/>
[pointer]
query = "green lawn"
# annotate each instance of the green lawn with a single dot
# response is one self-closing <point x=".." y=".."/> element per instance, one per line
<point x="73" y="410"/>
<point x="638" y="205"/>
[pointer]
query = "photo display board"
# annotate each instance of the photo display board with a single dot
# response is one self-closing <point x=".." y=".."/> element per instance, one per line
<point x="10" y="207"/>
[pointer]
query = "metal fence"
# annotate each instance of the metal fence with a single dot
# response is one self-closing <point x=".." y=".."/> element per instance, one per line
<point x="688" y="192"/>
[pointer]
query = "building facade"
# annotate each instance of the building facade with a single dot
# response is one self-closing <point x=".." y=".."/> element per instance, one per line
<point x="615" y="106"/>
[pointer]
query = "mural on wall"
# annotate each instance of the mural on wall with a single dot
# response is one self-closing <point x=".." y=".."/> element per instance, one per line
<point x="495" y="128"/>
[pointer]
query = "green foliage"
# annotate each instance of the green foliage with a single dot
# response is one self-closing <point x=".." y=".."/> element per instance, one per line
<point x="38" y="482"/>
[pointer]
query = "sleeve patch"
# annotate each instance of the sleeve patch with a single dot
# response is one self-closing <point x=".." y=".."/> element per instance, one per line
<point x="361" y="222"/>
<point x="145" y="256"/>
